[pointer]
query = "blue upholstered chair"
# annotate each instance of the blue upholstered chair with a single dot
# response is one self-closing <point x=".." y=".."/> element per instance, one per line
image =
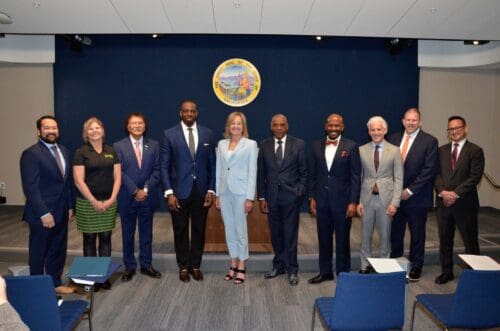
<point x="474" y="305"/>
<point x="364" y="302"/>
<point x="35" y="300"/>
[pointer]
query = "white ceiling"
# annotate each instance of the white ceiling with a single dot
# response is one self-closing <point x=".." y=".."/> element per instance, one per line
<point x="420" y="19"/>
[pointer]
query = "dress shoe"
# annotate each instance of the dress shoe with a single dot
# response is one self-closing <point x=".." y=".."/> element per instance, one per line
<point x="127" y="275"/>
<point x="106" y="285"/>
<point x="151" y="272"/>
<point x="197" y="274"/>
<point x="443" y="278"/>
<point x="368" y="270"/>
<point x="319" y="279"/>
<point x="273" y="273"/>
<point x="415" y="273"/>
<point x="293" y="279"/>
<point x="184" y="275"/>
<point x="65" y="289"/>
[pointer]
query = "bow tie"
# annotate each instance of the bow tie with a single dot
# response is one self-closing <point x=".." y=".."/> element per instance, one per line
<point x="332" y="142"/>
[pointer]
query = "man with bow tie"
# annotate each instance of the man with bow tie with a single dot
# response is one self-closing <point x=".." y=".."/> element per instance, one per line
<point x="334" y="187"/>
<point x="138" y="196"/>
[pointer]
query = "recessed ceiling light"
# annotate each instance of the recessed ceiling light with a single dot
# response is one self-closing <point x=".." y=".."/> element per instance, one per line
<point x="318" y="38"/>
<point x="5" y="19"/>
<point x="154" y="35"/>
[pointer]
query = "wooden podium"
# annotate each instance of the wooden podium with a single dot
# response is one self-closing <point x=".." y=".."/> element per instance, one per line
<point x="259" y="237"/>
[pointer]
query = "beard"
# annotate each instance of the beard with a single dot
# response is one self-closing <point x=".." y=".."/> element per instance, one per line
<point x="50" y="138"/>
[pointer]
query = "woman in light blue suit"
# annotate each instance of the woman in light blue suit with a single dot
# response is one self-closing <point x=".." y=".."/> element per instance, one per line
<point x="235" y="180"/>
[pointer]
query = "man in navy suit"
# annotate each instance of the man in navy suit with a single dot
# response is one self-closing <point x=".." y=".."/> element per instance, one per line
<point x="50" y="201"/>
<point x="138" y="196"/>
<point x="334" y="188"/>
<point x="461" y="167"/>
<point x="419" y="151"/>
<point x="282" y="180"/>
<point x="187" y="167"/>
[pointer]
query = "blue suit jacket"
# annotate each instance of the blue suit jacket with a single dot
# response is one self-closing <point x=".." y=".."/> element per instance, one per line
<point x="133" y="177"/>
<point x="177" y="167"/>
<point x="420" y="168"/>
<point x="237" y="173"/>
<point x="45" y="189"/>
<point x="291" y="176"/>
<point x="341" y="185"/>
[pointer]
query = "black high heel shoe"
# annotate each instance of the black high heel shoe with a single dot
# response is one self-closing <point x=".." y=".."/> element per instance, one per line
<point x="228" y="276"/>
<point x="239" y="280"/>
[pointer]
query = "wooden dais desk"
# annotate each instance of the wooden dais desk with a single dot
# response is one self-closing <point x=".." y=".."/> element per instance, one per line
<point x="259" y="237"/>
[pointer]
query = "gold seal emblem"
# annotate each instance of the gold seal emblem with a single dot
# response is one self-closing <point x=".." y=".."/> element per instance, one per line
<point x="236" y="82"/>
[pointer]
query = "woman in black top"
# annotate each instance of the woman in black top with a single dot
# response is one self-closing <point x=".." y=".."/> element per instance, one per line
<point x="97" y="175"/>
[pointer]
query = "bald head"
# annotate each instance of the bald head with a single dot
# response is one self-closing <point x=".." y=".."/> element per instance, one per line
<point x="334" y="126"/>
<point x="279" y="126"/>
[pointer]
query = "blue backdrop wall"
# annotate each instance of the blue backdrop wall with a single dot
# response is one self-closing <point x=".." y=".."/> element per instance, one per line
<point x="301" y="78"/>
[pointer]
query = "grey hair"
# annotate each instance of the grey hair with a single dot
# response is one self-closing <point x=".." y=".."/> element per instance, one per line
<point x="377" y="119"/>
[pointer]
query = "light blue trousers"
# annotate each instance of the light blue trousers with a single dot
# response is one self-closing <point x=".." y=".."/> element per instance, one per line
<point x="375" y="216"/>
<point x="235" y="224"/>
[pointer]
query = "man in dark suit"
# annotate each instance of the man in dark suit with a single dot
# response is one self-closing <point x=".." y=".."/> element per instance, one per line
<point x="138" y="196"/>
<point x="282" y="180"/>
<point x="334" y="188"/>
<point x="187" y="167"/>
<point x="461" y="168"/>
<point x="419" y="151"/>
<point x="50" y="201"/>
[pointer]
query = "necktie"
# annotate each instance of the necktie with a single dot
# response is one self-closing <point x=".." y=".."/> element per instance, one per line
<point x="454" y="155"/>
<point x="137" y="151"/>
<point x="404" y="150"/>
<point x="376" y="157"/>
<point x="191" y="142"/>
<point x="279" y="153"/>
<point x="332" y="142"/>
<point x="58" y="159"/>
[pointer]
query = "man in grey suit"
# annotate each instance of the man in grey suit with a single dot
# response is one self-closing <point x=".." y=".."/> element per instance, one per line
<point x="282" y="180"/>
<point x="381" y="188"/>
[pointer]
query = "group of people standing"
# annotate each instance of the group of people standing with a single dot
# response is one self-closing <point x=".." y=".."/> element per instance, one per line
<point x="388" y="183"/>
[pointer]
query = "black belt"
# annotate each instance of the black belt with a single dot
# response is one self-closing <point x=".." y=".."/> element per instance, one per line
<point x="375" y="192"/>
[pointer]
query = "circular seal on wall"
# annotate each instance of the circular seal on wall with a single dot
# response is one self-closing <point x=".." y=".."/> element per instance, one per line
<point x="236" y="82"/>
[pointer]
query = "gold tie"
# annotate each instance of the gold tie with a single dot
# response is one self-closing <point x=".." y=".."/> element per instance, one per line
<point x="404" y="150"/>
<point x="138" y="153"/>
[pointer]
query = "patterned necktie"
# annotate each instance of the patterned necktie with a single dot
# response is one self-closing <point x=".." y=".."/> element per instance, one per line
<point x="279" y="153"/>
<point x="376" y="157"/>
<point x="404" y="150"/>
<point x="137" y="150"/>
<point x="191" y="142"/>
<point x="58" y="159"/>
<point x="454" y="155"/>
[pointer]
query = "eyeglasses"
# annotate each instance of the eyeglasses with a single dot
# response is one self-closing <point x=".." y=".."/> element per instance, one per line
<point x="456" y="128"/>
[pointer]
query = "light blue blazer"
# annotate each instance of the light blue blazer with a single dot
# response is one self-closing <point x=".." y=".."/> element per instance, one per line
<point x="237" y="173"/>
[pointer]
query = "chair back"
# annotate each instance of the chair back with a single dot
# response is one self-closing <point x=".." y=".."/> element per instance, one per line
<point x="369" y="302"/>
<point x="476" y="304"/>
<point x="34" y="298"/>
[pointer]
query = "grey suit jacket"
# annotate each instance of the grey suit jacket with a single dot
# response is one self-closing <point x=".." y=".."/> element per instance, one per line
<point x="10" y="320"/>
<point x="237" y="173"/>
<point x="389" y="177"/>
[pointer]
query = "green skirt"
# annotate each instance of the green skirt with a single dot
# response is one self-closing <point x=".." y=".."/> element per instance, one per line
<point x="90" y="221"/>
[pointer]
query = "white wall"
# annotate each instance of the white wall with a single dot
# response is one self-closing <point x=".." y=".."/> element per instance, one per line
<point x="26" y="93"/>
<point x="475" y="95"/>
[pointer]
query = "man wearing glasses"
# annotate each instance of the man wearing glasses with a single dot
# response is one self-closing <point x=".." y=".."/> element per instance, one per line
<point x="460" y="171"/>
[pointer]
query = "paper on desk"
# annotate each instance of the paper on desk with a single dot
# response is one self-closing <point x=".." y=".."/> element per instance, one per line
<point x="385" y="265"/>
<point x="480" y="262"/>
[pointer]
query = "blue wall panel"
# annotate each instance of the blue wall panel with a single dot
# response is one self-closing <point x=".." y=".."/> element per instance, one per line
<point x="304" y="79"/>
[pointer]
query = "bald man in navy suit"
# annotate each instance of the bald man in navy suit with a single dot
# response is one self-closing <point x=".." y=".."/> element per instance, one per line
<point x="282" y="182"/>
